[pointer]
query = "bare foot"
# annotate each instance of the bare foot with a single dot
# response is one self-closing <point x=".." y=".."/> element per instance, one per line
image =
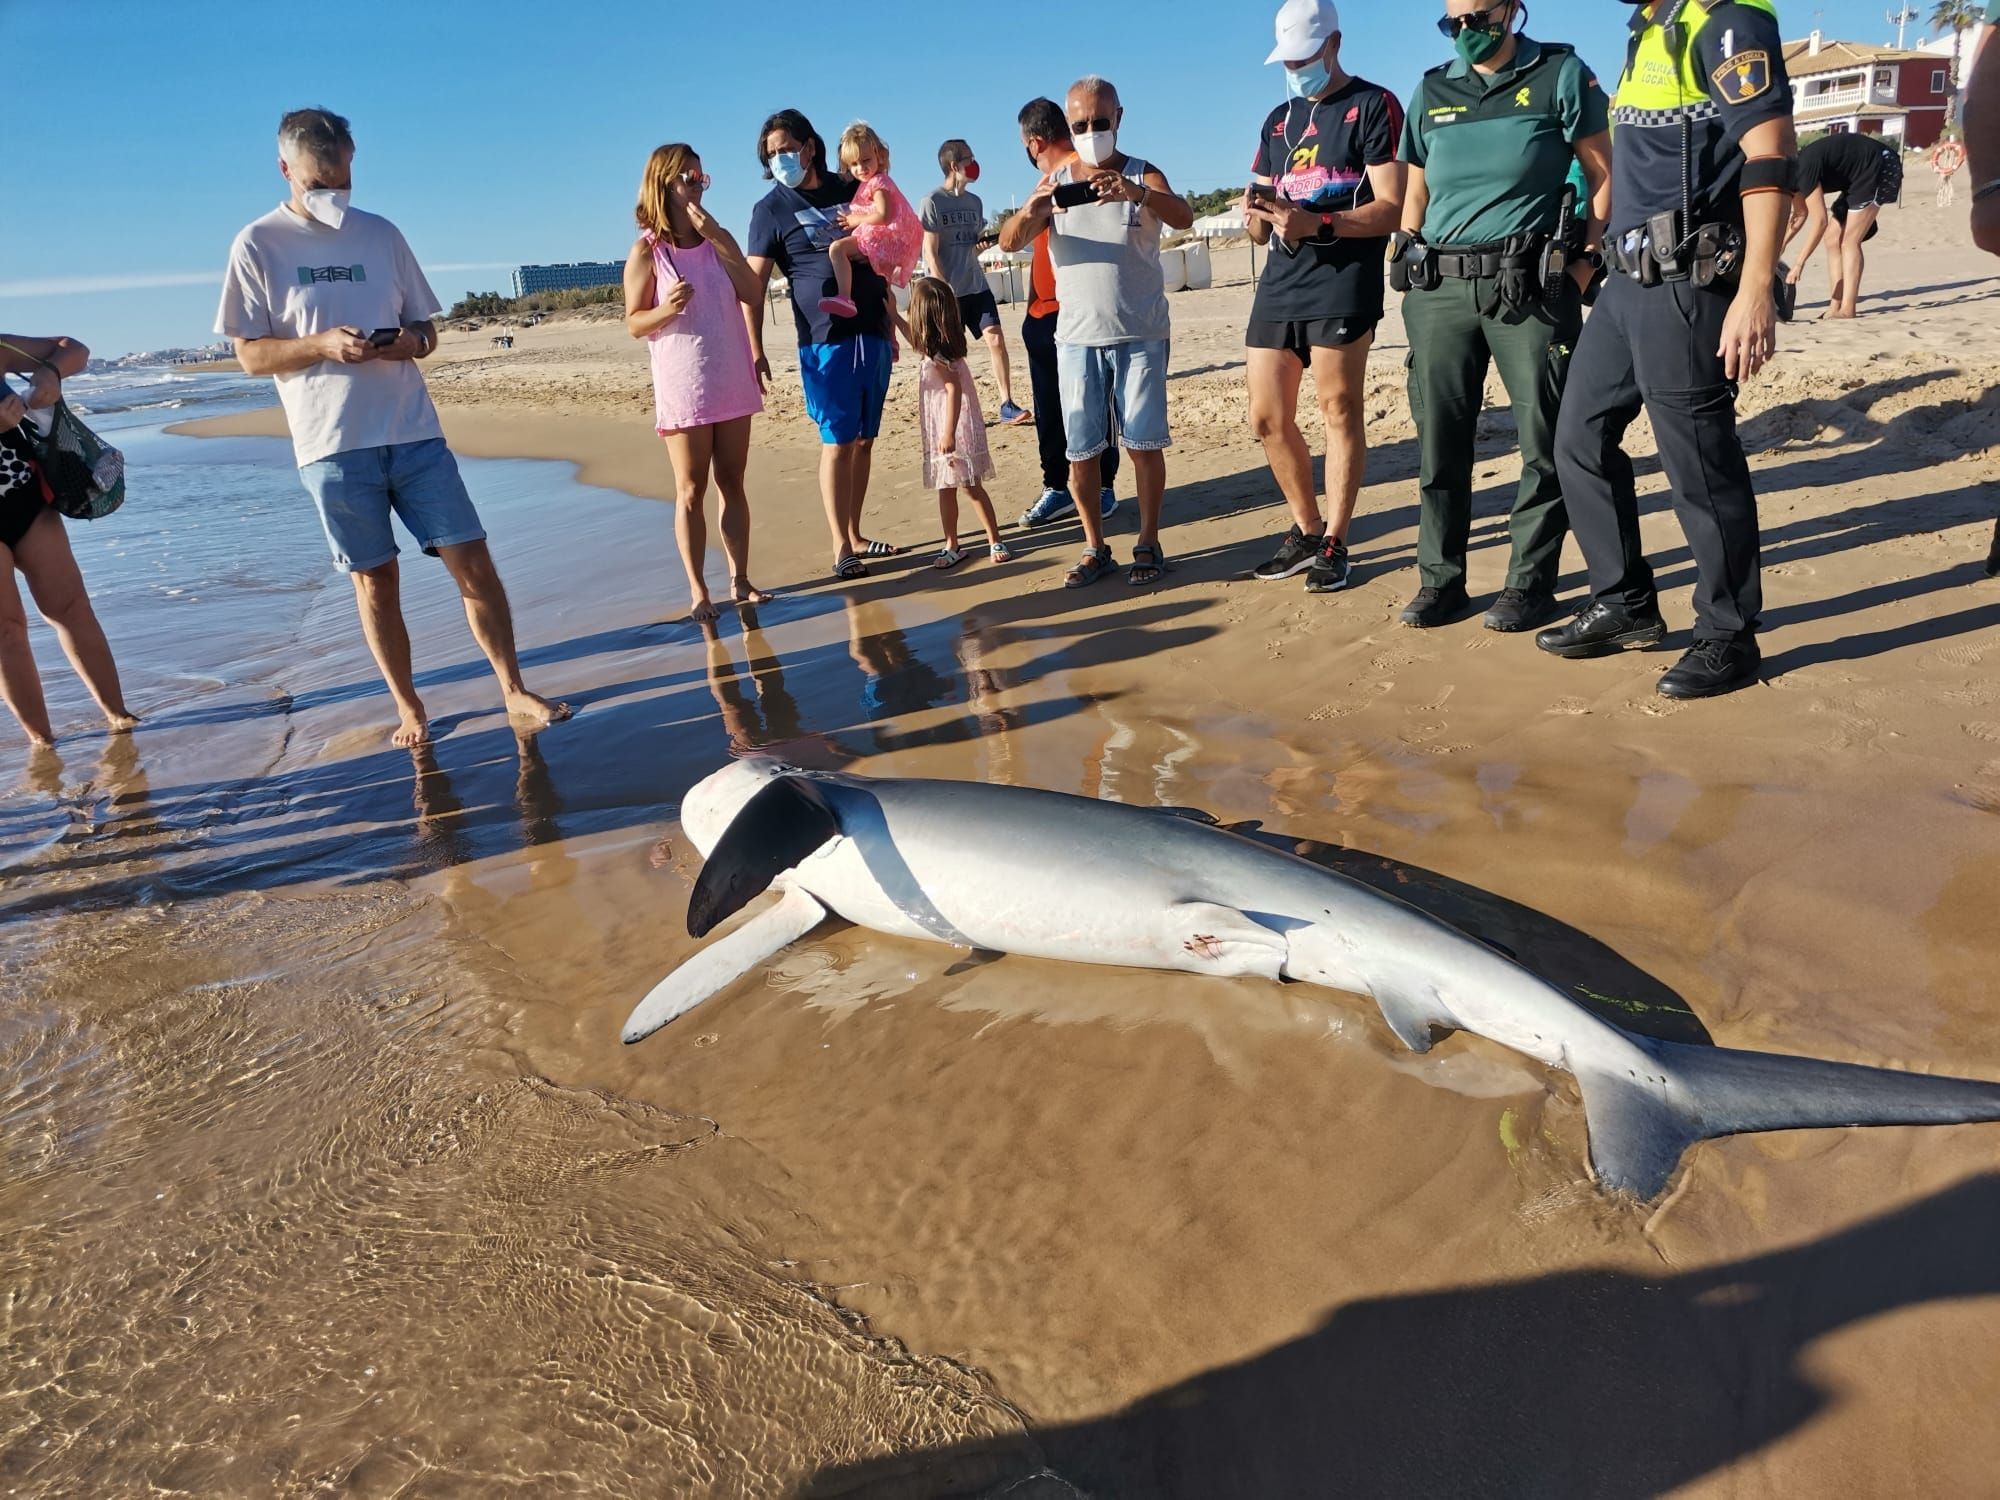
<point x="702" y="609"/>
<point x="122" y="722"/>
<point x="411" y="730"/>
<point x="746" y="592"/>
<point x="39" y="742"/>
<point x="537" y="710"/>
<point x="1831" y="314"/>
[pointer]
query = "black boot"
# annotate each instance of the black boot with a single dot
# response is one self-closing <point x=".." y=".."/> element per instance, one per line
<point x="1711" y="668"/>
<point x="1520" y="609"/>
<point x="1433" y="607"/>
<point x="1599" y="629"/>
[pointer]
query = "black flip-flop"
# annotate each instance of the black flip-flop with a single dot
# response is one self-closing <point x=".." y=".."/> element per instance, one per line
<point x="881" y="549"/>
<point x="850" y="566"/>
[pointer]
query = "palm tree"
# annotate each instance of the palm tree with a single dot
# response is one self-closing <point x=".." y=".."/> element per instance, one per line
<point x="1957" y="17"/>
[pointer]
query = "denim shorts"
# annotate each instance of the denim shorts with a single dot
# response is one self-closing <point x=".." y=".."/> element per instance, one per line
<point x="356" y="490"/>
<point x="846" y="385"/>
<point x="1119" y="384"/>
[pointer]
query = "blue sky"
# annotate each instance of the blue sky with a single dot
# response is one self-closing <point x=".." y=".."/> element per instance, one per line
<point x="141" y="133"/>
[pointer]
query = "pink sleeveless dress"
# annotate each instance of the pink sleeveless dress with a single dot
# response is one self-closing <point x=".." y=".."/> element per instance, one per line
<point x="702" y="369"/>
<point x="973" y="462"/>
<point x="894" y="248"/>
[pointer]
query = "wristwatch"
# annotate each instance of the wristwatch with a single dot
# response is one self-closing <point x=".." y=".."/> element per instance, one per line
<point x="1325" y="235"/>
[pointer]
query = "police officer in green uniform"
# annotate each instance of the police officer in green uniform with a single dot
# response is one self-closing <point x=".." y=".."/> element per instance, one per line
<point x="1493" y="257"/>
<point x="1704" y="161"/>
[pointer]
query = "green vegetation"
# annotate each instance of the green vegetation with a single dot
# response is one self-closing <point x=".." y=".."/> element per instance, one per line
<point x="1220" y="200"/>
<point x="493" y="305"/>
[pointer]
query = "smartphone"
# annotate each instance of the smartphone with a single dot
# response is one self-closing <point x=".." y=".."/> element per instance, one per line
<point x="1074" y="194"/>
<point x="382" y="338"/>
<point x="1261" y="190"/>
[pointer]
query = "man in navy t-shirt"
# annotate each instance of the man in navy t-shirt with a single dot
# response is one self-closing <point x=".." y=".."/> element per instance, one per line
<point x="843" y="362"/>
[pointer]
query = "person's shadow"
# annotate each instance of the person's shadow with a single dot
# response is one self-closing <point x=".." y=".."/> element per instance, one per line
<point x="1587" y="1383"/>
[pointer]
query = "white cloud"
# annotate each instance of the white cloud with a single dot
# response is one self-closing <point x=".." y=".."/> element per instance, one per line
<point x="73" y="286"/>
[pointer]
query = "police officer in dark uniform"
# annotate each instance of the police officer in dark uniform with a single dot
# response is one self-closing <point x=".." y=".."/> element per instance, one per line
<point x="1704" y="161"/>
<point x="1493" y="258"/>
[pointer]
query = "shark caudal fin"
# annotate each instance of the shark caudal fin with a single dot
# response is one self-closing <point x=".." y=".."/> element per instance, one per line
<point x="723" y="963"/>
<point x="1644" y="1117"/>
<point x="786" y="822"/>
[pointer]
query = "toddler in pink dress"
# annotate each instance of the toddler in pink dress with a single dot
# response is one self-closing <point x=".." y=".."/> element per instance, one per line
<point x="882" y="228"/>
<point x="948" y="417"/>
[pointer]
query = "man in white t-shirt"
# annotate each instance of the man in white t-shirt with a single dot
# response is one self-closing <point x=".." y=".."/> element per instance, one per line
<point x="330" y="301"/>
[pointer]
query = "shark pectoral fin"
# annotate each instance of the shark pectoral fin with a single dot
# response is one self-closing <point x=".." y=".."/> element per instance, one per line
<point x="784" y="824"/>
<point x="1190" y="815"/>
<point x="723" y="963"/>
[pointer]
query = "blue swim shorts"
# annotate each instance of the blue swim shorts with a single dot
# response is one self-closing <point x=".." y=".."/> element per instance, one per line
<point x="356" y="491"/>
<point x="846" y="385"/>
<point x="1128" y="380"/>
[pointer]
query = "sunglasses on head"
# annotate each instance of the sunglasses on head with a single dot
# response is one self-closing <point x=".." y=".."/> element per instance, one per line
<point x="1451" y="26"/>
<point x="1090" y="127"/>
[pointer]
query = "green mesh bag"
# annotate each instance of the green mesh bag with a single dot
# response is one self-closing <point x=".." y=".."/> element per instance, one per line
<point x="85" y="474"/>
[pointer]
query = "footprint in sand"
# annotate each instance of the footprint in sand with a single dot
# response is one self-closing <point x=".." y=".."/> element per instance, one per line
<point x="1981" y="731"/>
<point x="1328" y="711"/>
<point x="1479" y="642"/>
<point x="1572" y="706"/>
<point x="1961" y="655"/>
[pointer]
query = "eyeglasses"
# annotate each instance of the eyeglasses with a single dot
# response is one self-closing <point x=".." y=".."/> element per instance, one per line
<point x="698" y="179"/>
<point x="1090" y="127"/>
<point x="1451" y="26"/>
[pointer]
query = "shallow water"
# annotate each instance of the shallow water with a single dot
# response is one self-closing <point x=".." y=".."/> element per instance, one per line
<point x="322" y="1169"/>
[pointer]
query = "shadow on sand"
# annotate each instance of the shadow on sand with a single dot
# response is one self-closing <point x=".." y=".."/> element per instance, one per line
<point x="1590" y="1383"/>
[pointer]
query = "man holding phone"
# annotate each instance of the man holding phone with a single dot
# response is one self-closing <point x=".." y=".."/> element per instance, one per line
<point x="330" y="301"/>
<point x="1105" y="212"/>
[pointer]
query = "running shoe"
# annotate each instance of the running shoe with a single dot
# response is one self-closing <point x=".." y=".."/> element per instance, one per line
<point x="1052" y="507"/>
<point x="1012" y="415"/>
<point x="1330" y="569"/>
<point x="1107" y="502"/>
<point x="1294" y="555"/>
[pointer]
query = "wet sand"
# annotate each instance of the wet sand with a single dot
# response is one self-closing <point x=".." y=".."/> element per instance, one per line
<point x="325" y="1169"/>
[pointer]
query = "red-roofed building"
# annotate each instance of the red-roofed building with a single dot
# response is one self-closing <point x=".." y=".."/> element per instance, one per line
<point x="1892" y="92"/>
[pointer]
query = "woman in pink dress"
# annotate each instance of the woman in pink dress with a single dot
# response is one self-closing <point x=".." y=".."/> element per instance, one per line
<point x="686" y="284"/>
<point x="882" y="228"/>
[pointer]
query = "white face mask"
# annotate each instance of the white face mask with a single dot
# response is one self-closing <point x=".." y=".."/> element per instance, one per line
<point x="328" y="205"/>
<point x="1096" y="147"/>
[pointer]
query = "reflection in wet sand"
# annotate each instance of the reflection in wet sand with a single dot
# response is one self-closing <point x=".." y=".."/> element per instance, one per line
<point x="321" y="1166"/>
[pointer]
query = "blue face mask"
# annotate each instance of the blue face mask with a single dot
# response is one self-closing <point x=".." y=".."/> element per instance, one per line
<point x="1309" y="81"/>
<point x="788" y="169"/>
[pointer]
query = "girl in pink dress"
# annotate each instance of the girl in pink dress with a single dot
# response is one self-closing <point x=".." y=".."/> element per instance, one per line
<point x="882" y="228"/>
<point x="686" y="284"/>
<point x="954" y="433"/>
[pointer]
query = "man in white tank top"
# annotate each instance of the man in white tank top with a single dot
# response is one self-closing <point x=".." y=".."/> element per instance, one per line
<point x="1113" y="331"/>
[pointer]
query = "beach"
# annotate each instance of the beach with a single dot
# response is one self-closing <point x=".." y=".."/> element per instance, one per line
<point x="325" y="1170"/>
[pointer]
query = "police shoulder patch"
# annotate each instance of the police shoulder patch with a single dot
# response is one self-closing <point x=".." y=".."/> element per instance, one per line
<point x="1742" y="77"/>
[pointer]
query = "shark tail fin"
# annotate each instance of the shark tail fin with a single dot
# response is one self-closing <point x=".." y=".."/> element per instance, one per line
<point x="1643" y="1117"/>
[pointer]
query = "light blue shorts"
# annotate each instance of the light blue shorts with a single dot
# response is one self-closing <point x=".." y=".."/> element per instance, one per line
<point x="356" y="491"/>
<point x="1125" y="381"/>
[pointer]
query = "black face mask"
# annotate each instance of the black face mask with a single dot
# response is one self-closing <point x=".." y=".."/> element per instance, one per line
<point x="1031" y="158"/>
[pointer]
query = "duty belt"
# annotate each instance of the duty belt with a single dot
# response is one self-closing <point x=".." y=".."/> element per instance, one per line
<point x="1471" y="262"/>
<point x="1649" y="255"/>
